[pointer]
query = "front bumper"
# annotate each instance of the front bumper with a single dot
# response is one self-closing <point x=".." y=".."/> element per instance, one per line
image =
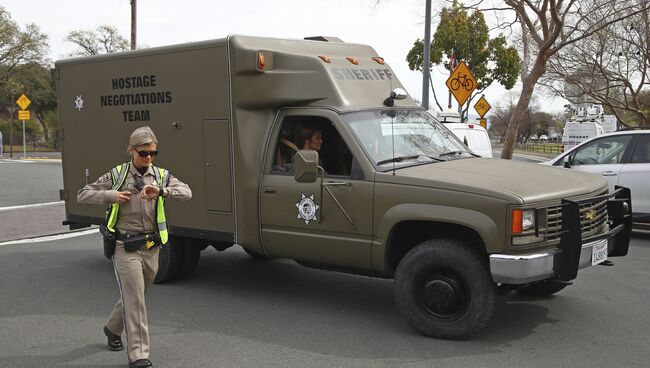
<point x="573" y="252"/>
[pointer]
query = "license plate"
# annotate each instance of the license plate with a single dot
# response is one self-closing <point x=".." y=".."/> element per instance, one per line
<point x="599" y="253"/>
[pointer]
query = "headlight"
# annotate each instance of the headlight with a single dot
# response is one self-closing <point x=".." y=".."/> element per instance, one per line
<point x="522" y="220"/>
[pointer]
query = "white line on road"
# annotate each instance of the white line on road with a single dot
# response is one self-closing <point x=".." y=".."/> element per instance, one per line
<point x="50" y="237"/>
<point x="22" y="161"/>
<point x="11" y="208"/>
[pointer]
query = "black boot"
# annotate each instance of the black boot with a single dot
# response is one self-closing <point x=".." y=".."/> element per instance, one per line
<point x="141" y="363"/>
<point x="114" y="342"/>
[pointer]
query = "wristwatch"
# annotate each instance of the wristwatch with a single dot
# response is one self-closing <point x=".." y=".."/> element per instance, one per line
<point x="161" y="191"/>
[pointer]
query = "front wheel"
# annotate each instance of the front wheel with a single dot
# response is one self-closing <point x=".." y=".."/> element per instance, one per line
<point x="444" y="289"/>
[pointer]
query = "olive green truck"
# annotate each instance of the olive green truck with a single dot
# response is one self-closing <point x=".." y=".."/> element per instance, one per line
<point x="389" y="192"/>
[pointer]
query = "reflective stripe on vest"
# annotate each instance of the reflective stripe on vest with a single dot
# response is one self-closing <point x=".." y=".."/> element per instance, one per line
<point x="162" y="178"/>
<point x="118" y="174"/>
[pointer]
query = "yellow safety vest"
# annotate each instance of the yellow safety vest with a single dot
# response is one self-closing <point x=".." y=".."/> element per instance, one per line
<point x="118" y="175"/>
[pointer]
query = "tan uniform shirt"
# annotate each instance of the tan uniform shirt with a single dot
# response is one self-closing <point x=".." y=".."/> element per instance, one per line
<point x="137" y="215"/>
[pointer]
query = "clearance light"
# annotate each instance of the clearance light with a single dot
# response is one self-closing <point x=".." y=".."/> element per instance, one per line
<point x="325" y="58"/>
<point x="261" y="63"/>
<point x="516" y="221"/>
<point x="471" y="126"/>
<point x="379" y="60"/>
<point x="353" y="60"/>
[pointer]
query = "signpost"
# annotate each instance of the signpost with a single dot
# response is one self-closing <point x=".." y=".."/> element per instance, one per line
<point x="23" y="115"/>
<point x="482" y="107"/>
<point x="461" y="83"/>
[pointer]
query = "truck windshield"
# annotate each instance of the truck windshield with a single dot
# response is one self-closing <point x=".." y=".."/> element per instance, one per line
<point x="404" y="137"/>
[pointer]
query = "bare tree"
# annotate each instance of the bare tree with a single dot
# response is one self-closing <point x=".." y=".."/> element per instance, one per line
<point x="105" y="40"/>
<point x="18" y="46"/>
<point x="548" y="26"/>
<point x="611" y="67"/>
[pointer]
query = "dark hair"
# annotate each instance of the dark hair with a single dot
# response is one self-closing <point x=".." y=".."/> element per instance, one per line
<point x="306" y="132"/>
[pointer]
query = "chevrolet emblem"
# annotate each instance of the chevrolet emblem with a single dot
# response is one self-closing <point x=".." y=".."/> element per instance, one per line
<point x="590" y="215"/>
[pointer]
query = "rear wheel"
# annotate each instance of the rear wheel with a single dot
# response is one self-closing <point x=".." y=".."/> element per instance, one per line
<point x="444" y="289"/>
<point x="171" y="260"/>
<point x="542" y="288"/>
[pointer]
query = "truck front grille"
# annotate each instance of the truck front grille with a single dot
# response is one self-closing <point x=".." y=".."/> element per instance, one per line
<point x="593" y="219"/>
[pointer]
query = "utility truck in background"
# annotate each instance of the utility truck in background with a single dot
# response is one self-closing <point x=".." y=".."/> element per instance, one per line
<point x="584" y="121"/>
<point x="391" y="193"/>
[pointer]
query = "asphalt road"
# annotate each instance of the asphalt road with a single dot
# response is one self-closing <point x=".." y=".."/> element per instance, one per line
<point x="238" y="312"/>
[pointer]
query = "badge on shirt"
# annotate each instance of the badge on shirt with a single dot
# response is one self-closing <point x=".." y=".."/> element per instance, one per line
<point x="106" y="177"/>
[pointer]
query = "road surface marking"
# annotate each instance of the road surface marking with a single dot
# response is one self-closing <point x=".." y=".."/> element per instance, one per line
<point x="50" y="237"/>
<point x="11" y="208"/>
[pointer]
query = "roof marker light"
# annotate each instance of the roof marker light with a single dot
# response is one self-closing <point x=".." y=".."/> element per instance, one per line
<point x="261" y="63"/>
<point x="353" y="60"/>
<point x="325" y="58"/>
<point x="379" y="60"/>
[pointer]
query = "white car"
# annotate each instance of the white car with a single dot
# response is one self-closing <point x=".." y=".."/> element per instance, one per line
<point x="473" y="136"/>
<point x="623" y="158"/>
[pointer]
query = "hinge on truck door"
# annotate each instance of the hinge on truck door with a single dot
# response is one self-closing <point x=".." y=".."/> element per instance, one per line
<point x="63" y="194"/>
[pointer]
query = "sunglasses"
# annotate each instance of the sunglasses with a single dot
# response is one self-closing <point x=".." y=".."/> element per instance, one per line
<point x="144" y="154"/>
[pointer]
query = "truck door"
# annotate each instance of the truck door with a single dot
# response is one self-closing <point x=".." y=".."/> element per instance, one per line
<point x="603" y="156"/>
<point x="327" y="225"/>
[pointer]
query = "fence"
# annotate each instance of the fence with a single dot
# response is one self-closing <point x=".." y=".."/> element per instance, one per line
<point x="556" y="148"/>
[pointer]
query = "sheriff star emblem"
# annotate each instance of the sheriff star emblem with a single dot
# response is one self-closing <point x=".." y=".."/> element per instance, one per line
<point x="307" y="208"/>
<point x="79" y="103"/>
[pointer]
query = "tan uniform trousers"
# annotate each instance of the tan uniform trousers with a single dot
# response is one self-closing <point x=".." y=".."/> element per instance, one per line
<point x="135" y="272"/>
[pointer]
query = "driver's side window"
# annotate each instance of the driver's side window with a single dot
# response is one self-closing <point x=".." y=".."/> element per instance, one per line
<point x="313" y="133"/>
<point x="608" y="150"/>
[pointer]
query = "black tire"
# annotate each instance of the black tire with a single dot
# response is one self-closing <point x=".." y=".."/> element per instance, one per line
<point x="170" y="260"/>
<point x="444" y="289"/>
<point x="193" y="249"/>
<point x="542" y="288"/>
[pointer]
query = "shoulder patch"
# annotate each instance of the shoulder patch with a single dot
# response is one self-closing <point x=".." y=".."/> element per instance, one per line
<point x="106" y="177"/>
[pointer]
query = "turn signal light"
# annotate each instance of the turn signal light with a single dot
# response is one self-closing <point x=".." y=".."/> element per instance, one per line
<point x="353" y="60"/>
<point x="325" y="58"/>
<point x="516" y="221"/>
<point x="379" y="60"/>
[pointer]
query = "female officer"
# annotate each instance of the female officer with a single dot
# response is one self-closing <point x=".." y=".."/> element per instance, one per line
<point x="136" y="191"/>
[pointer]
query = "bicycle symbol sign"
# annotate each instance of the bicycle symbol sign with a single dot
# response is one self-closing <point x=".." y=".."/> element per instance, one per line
<point x="461" y="83"/>
<point x="482" y="106"/>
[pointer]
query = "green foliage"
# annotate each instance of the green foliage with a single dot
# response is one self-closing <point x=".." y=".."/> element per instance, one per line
<point x="18" y="46"/>
<point x="466" y="37"/>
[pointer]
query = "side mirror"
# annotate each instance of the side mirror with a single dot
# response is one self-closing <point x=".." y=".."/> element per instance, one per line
<point x="306" y="166"/>
<point x="567" y="161"/>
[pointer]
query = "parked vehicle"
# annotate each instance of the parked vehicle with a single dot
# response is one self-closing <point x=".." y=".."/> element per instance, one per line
<point x="576" y="132"/>
<point x="623" y="158"/>
<point x="473" y="136"/>
<point x="392" y="193"/>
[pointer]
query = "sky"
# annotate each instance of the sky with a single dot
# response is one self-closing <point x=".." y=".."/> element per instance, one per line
<point x="390" y="28"/>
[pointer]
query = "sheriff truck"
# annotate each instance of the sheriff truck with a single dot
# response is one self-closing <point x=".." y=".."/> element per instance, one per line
<point x="391" y="193"/>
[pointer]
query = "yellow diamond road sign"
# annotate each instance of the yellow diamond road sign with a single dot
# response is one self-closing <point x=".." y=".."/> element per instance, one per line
<point x="482" y="106"/>
<point x="23" y="101"/>
<point x="461" y="83"/>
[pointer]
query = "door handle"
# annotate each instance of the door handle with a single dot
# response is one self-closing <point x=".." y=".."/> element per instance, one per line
<point x="269" y="190"/>
<point x="337" y="184"/>
<point x="609" y="173"/>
